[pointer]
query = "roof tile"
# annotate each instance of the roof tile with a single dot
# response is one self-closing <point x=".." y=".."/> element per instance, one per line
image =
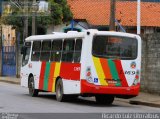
<point x="97" y="12"/>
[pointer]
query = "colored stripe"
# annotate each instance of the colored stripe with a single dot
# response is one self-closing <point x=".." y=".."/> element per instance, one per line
<point x="47" y="72"/>
<point x="52" y="69"/>
<point x="114" y="72"/>
<point x="43" y="66"/>
<point x="56" y="74"/>
<point x="121" y="73"/>
<point x="99" y="69"/>
<point x="106" y="70"/>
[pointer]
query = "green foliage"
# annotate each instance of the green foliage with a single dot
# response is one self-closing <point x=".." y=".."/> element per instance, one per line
<point x="66" y="13"/>
<point x="59" y="13"/>
<point x="15" y="21"/>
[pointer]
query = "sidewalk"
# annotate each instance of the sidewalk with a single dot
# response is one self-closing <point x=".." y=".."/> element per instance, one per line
<point x="143" y="98"/>
<point x="12" y="80"/>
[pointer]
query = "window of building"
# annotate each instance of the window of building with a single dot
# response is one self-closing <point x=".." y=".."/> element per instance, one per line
<point x="36" y="51"/>
<point x="45" y="51"/>
<point x="56" y="50"/>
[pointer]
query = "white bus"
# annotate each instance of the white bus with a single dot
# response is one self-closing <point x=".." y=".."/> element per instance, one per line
<point x="104" y="64"/>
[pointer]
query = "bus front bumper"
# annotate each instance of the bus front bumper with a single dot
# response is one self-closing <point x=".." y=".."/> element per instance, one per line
<point x="96" y="89"/>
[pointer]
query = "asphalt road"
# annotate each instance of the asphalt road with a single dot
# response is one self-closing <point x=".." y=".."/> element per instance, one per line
<point x="15" y="99"/>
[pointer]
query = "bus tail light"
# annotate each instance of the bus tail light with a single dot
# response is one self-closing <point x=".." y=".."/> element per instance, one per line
<point x="89" y="75"/>
<point x="136" y="79"/>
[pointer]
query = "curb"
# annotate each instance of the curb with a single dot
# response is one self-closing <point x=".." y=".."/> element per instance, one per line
<point x="150" y="104"/>
<point x="11" y="82"/>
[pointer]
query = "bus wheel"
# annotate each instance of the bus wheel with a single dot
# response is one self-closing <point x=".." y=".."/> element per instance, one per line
<point x="104" y="99"/>
<point x="59" y="91"/>
<point x="32" y="91"/>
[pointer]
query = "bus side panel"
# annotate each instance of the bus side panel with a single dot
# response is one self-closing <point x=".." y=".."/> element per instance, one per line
<point x="48" y="74"/>
<point x="32" y="68"/>
<point x="69" y="72"/>
<point x="71" y="86"/>
<point x="35" y="69"/>
<point x="24" y="76"/>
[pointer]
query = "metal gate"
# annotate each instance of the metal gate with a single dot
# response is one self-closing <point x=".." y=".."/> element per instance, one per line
<point x="8" y="61"/>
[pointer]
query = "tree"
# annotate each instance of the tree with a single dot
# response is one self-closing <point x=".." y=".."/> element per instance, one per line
<point x="59" y="13"/>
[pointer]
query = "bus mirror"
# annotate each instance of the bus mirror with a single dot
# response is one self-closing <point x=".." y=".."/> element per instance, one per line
<point x="23" y="50"/>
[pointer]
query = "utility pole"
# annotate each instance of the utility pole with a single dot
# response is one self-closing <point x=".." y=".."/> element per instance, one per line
<point x="139" y="17"/>
<point x="25" y="30"/>
<point x="0" y="47"/>
<point x="34" y="18"/>
<point x="112" y="15"/>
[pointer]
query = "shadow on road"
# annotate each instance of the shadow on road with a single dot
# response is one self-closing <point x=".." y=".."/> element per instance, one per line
<point x="87" y="101"/>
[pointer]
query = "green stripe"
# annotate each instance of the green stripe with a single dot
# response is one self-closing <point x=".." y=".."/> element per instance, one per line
<point x="46" y="76"/>
<point x="114" y="72"/>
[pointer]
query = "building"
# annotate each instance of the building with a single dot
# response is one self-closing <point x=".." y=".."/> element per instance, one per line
<point x="8" y="35"/>
<point x="96" y="13"/>
<point x="150" y="0"/>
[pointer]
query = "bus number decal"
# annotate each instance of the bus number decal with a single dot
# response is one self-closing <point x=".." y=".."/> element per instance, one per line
<point x="77" y="68"/>
<point x="128" y="72"/>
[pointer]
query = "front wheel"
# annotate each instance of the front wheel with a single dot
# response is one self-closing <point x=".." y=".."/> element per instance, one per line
<point x="32" y="91"/>
<point x="104" y="99"/>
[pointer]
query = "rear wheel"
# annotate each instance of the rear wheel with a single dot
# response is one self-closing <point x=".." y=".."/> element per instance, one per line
<point x="104" y="99"/>
<point x="32" y="91"/>
<point x="59" y="91"/>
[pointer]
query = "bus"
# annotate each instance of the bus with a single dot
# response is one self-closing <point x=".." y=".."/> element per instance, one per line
<point x="104" y="64"/>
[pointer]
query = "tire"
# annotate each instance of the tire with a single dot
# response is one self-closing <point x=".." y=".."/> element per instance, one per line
<point x="32" y="91"/>
<point x="59" y="91"/>
<point x="104" y="99"/>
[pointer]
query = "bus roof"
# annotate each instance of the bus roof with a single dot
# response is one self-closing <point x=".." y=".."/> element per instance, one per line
<point x="75" y="34"/>
<point x="56" y="35"/>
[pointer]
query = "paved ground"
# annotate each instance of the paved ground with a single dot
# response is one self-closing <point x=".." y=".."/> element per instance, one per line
<point x="14" y="98"/>
<point x="143" y="98"/>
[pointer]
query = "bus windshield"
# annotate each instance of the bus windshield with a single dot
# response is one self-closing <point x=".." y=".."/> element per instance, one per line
<point x="115" y="47"/>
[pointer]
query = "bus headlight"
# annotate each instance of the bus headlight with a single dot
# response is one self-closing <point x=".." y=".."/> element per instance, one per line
<point x="89" y="75"/>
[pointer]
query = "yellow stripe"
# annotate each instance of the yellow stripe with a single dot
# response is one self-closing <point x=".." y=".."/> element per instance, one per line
<point x="99" y="70"/>
<point x="56" y="74"/>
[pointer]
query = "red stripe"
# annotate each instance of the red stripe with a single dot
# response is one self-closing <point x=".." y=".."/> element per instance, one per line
<point x="43" y="68"/>
<point x="52" y="69"/>
<point x="121" y="73"/>
<point x="106" y="70"/>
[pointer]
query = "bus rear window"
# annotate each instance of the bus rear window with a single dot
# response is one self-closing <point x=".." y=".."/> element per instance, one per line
<point x="114" y="47"/>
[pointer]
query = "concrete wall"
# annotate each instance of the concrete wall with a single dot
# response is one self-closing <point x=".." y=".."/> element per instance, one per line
<point x="150" y="77"/>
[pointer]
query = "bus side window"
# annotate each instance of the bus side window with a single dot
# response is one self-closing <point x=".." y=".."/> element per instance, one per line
<point x="45" y="51"/>
<point x="36" y="50"/>
<point x="56" y="50"/>
<point x="77" y="52"/>
<point x="68" y="50"/>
